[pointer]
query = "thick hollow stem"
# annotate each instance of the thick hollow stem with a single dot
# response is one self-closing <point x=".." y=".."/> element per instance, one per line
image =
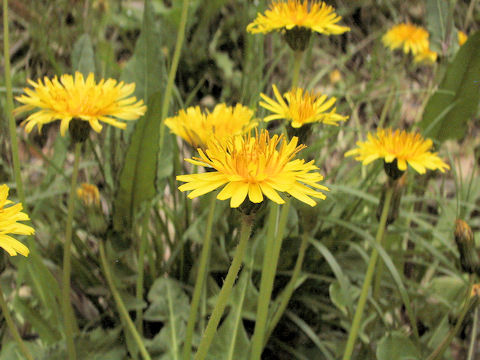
<point x="121" y="306"/>
<point x="352" y="336"/>
<point x="12" y="328"/>
<point x="173" y="69"/>
<point x="200" y="281"/>
<point x="298" y="55"/>
<point x="9" y="107"/>
<point x="224" y="294"/>
<point x="68" y="314"/>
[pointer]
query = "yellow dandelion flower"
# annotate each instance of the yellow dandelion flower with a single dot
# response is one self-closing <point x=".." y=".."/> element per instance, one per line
<point x="427" y="56"/>
<point x="89" y="194"/>
<point x="197" y="127"/>
<point x="312" y="15"/>
<point x="9" y="215"/>
<point x="254" y="166"/>
<point x="73" y="97"/>
<point x="462" y="38"/>
<point x="401" y="147"/>
<point x="301" y="107"/>
<point x="412" y="39"/>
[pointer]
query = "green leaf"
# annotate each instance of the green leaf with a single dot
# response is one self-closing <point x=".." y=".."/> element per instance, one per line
<point x="137" y="178"/>
<point x="397" y="346"/>
<point x="439" y="21"/>
<point x="456" y="99"/>
<point x="146" y="66"/>
<point x="83" y="58"/>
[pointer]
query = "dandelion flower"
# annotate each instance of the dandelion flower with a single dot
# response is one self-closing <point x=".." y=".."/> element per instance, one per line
<point x="412" y="39"/>
<point x="401" y="147"/>
<point x="254" y="166"/>
<point x="89" y="194"/>
<point x="197" y="127"/>
<point x="73" y="97"/>
<point x="9" y="217"/>
<point x="301" y="107"/>
<point x="316" y="16"/>
<point x="427" y="56"/>
<point x="462" y="38"/>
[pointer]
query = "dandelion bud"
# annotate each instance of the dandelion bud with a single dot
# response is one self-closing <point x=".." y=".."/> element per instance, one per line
<point x="90" y="197"/>
<point x="297" y="38"/>
<point x="392" y="170"/>
<point x="79" y="130"/>
<point x="466" y="247"/>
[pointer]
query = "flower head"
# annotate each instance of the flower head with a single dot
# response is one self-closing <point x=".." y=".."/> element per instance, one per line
<point x="401" y="147"/>
<point x="9" y="215"/>
<point x="197" y="127"/>
<point x="301" y="107"/>
<point x="412" y="39"/>
<point x="89" y="194"/>
<point x="427" y="56"/>
<point x="254" y="166"/>
<point x="73" y="97"/>
<point x="462" y="38"/>
<point x="312" y="15"/>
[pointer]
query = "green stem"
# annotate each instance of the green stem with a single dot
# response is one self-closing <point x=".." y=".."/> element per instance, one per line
<point x="68" y="314"/>
<point x="120" y="305"/>
<point x="266" y="285"/>
<point x="438" y="352"/>
<point x="12" y="328"/>
<point x="173" y="69"/>
<point x="352" y="336"/>
<point x="289" y="289"/>
<point x="471" y="348"/>
<point x="140" y="271"/>
<point x="200" y="281"/>
<point x="298" y="55"/>
<point x="9" y="107"/>
<point x="224" y="294"/>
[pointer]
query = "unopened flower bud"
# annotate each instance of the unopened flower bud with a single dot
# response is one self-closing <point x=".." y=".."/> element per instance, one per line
<point x="466" y="247"/>
<point x="90" y="197"/>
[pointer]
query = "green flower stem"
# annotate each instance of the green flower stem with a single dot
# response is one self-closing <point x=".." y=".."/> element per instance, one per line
<point x="297" y="62"/>
<point x="289" y="289"/>
<point x="438" y="352"/>
<point x="140" y="271"/>
<point x="121" y="306"/>
<point x="12" y="328"/>
<point x="266" y="284"/>
<point x="173" y="69"/>
<point x="200" y="281"/>
<point x="352" y="336"/>
<point x="224" y="294"/>
<point x="471" y="348"/>
<point x="9" y="107"/>
<point x="68" y="315"/>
